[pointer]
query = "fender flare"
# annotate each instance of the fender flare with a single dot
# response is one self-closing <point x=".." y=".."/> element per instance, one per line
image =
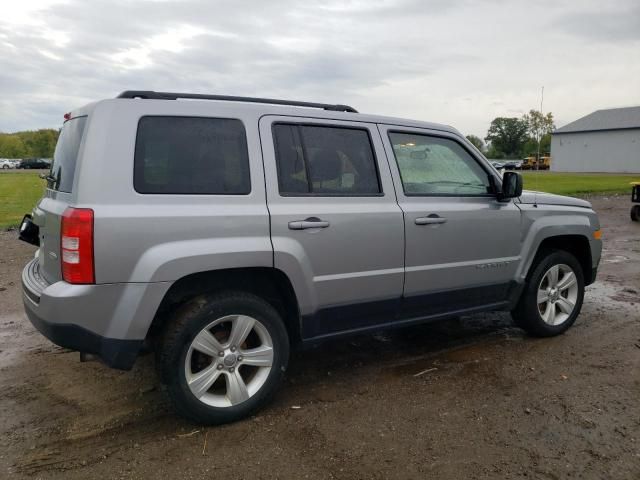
<point x="547" y="227"/>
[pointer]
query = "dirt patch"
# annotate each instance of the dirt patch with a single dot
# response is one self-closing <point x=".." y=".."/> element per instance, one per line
<point x="467" y="398"/>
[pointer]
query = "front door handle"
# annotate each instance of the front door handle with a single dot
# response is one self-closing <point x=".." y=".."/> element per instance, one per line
<point x="311" y="222"/>
<point x="432" y="219"/>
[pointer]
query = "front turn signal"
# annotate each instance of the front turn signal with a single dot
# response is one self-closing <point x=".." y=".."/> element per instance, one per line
<point x="597" y="234"/>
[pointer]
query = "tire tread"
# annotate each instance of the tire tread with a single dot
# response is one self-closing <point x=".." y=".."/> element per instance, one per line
<point x="526" y="314"/>
<point x="169" y="351"/>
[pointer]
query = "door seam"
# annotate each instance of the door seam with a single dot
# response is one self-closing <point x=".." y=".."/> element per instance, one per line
<point x="404" y="216"/>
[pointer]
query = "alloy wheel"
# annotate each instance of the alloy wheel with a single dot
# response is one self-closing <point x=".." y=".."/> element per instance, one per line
<point x="557" y="294"/>
<point x="229" y="360"/>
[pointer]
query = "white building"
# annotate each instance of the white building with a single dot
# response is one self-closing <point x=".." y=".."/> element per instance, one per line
<point x="603" y="141"/>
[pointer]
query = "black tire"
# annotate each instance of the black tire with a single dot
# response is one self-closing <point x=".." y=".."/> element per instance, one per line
<point x="527" y="314"/>
<point x="635" y="213"/>
<point x="189" y="320"/>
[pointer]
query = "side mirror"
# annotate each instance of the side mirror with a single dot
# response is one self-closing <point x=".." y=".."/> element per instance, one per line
<point x="511" y="186"/>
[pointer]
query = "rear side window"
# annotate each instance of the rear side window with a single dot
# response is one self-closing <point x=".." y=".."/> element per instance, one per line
<point x="325" y="160"/>
<point x="191" y="155"/>
<point x="65" y="157"/>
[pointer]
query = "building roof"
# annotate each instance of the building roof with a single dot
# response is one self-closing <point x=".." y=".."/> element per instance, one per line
<point x="609" y="119"/>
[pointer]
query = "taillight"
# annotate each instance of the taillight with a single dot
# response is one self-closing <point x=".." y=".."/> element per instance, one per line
<point x="76" y="245"/>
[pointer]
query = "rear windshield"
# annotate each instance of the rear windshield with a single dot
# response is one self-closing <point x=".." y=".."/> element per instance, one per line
<point x="63" y="168"/>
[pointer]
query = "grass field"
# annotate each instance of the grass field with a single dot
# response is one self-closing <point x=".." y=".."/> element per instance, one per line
<point x="578" y="183"/>
<point x="20" y="190"/>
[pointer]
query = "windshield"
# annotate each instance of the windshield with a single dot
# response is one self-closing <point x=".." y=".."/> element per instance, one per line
<point x="63" y="168"/>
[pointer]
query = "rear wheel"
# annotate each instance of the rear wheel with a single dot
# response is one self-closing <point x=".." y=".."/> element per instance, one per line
<point x="553" y="296"/>
<point x="635" y="213"/>
<point x="223" y="356"/>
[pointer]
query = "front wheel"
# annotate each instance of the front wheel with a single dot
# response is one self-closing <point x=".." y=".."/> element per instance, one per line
<point x="223" y="356"/>
<point x="553" y="296"/>
<point x="635" y="213"/>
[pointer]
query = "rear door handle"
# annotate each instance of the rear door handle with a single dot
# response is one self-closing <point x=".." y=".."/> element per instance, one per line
<point x="432" y="219"/>
<point x="311" y="222"/>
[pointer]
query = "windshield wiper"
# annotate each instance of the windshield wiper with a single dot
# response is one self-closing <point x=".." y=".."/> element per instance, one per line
<point x="452" y="182"/>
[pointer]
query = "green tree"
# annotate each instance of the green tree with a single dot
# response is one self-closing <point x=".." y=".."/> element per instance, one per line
<point x="531" y="146"/>
<point x="12" y="146"/>
<point x="539" y="127"/>
<point x="538" y="124"/>
<point x="507" y="136"/>
<point x="477" y="142"/>
<point x="44" y="143"/>
<point x="545" y="143"/>
<point x="493" y="154"/>
<point x="39" y="143"/>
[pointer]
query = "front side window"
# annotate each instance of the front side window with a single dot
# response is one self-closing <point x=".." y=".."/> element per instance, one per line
<point x="437" y="166"/>
<point x="191" y="155"/>
<point x="325" y="160"/>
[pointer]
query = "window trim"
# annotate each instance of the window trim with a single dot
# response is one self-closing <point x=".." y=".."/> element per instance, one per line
<point x="445" y="137"/>
<point x="326" y="125"/>
<point x="244" y="128"/>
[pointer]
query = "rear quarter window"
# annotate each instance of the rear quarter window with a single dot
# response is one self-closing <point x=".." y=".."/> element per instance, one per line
<point x="191" y="155"/>
<point x="65" y="157"/>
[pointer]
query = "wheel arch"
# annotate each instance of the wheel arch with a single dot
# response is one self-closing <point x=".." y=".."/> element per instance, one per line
<point x="267" y="282"/>
<point x="576" y="244"/>
<point x="571" y="230"/>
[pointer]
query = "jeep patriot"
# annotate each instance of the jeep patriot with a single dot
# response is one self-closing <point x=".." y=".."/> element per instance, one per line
<point x="222" y="231"/>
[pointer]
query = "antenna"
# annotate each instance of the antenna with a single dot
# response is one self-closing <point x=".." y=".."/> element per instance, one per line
<point x="539" y="139"/>
<point x="538" y="130"/>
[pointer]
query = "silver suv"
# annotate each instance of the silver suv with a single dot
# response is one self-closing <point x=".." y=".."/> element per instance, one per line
<point x="221" y="231"/>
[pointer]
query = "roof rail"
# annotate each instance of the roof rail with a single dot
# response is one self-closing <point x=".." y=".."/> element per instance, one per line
<point x="151" y="95"/>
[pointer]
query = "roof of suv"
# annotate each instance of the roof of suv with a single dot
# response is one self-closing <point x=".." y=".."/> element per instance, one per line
<point x="272" y="107"/>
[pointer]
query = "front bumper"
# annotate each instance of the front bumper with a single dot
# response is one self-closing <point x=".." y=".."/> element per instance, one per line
<point x="596" y="254"/>
<point x="109" y="320"/>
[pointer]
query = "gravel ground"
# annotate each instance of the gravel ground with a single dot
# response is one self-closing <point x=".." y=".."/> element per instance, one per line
<point x="467" y="398"/>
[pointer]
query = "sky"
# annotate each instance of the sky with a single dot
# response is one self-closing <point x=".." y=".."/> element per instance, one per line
<point x="458" y="62"/>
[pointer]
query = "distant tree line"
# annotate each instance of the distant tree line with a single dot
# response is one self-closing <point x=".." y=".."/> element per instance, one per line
<point x="28" y="144"/>
<point x="511" y="137"/>
<point x="508" y="137"/>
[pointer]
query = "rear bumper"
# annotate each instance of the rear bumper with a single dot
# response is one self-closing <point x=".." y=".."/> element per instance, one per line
<point x="115" y="353"/>
<point x="109" y="320"/>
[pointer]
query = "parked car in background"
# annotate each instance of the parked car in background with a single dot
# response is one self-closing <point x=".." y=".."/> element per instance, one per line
<point x="226" y="230"/>
<point x="6" y="163"/>
<point x="512" y="164"/>
<point x="497" y="165"/>
<point x="34" y="163"/>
